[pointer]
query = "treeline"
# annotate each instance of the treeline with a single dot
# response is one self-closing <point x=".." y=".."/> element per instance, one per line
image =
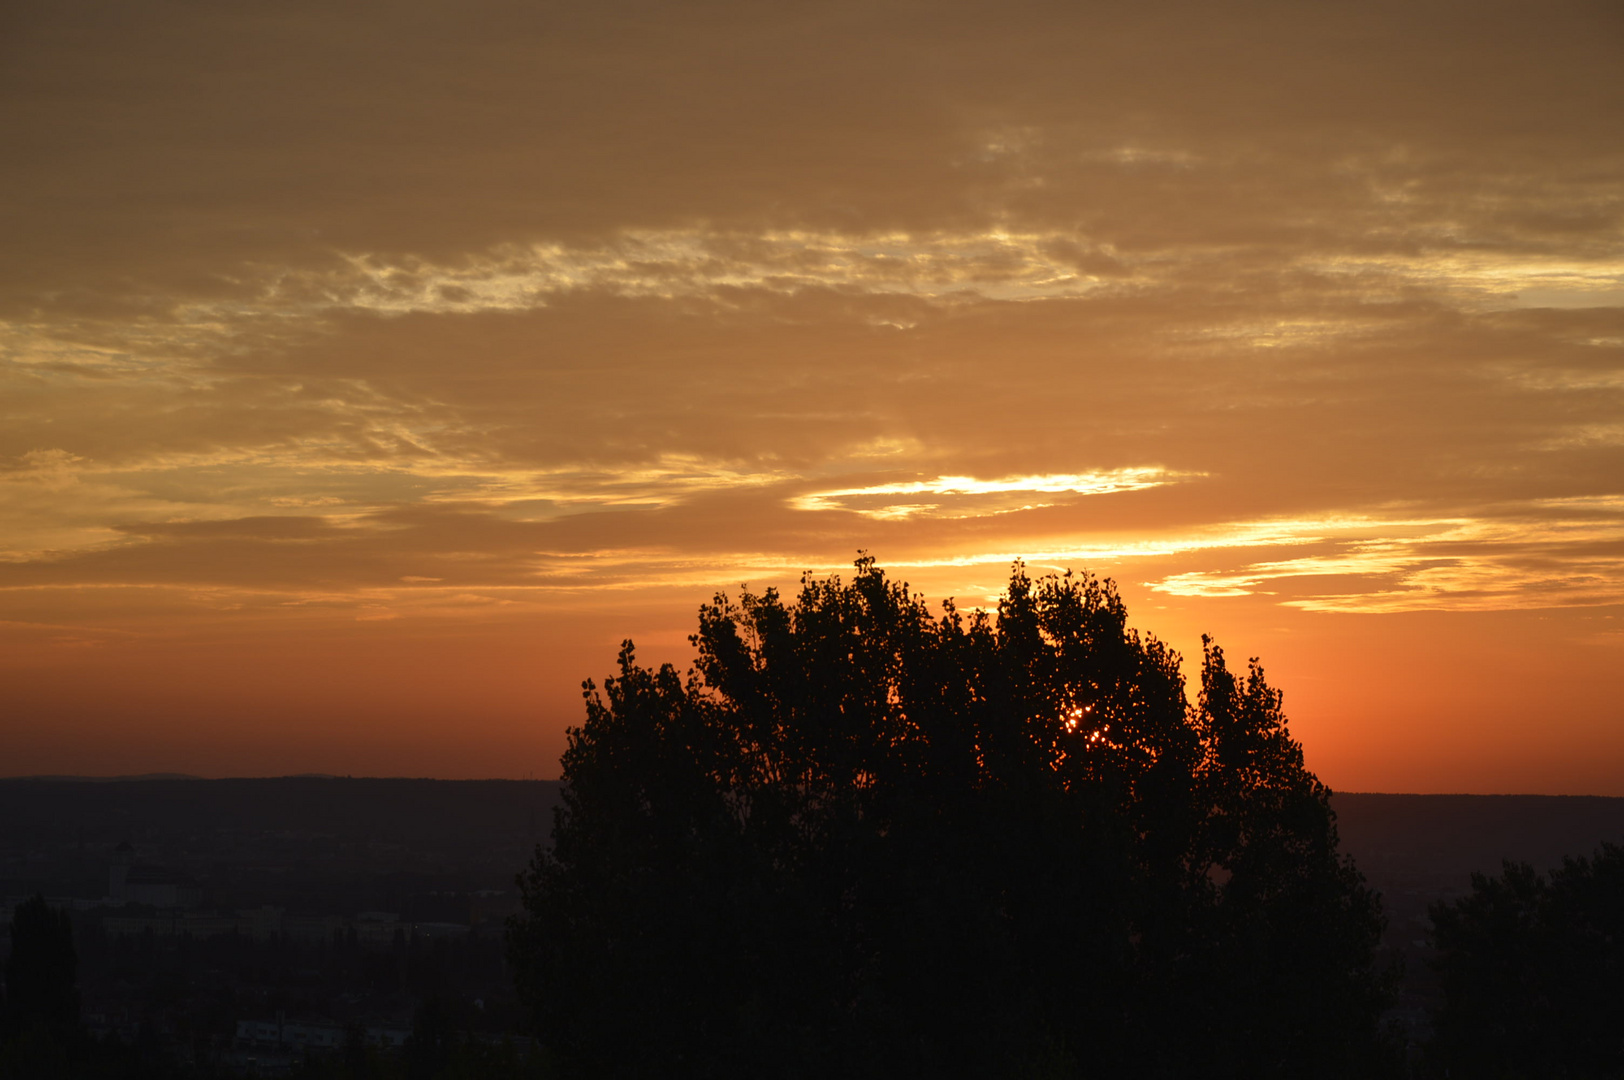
<point x="1532" y="967"/>
<point x="191" y="992"/>
<point x="861" y="838"/>
<point x="43" y="1035"/>
<point x="1533" y="973"/>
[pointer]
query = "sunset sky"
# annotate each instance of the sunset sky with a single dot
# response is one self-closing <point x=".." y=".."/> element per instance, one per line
<point x="371" y="370"/>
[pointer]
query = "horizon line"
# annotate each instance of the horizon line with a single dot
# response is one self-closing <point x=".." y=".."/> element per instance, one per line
<point x="161" y="776"/>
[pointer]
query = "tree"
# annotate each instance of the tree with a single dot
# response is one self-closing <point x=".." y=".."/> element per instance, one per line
<point x="1533" y="972"/>
<point x="39" y="1024"/>
<point x="860" y="839"/>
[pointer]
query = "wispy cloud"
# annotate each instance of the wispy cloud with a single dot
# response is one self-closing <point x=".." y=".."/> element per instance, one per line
<point x="1547" y="561"/>
<point x="967" y="496"/>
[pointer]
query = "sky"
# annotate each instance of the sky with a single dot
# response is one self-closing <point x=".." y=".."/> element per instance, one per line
<point x="369" y="371"/>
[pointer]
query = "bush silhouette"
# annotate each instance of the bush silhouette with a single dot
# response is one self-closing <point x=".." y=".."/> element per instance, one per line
<point x="1533" y="972"/>
<point x="863" y="840"/>
<point x="39" y="1017"/>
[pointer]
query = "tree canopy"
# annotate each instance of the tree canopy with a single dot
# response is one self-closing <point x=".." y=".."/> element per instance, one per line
<point x="39" y="1013"/>
<point x="1533" y="972"/>
<point x="863" y="839"/>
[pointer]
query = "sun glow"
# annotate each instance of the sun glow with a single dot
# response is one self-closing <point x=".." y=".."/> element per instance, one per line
<point x="1074" y="725"/>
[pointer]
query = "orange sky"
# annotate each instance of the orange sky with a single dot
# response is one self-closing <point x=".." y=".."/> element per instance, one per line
<point x="366" y="378"/>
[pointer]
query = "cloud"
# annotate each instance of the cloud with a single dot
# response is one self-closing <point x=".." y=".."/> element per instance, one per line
<point x="966" y="496"/>
<point x="1551" y="554"/>
<point x="349" y="326"/>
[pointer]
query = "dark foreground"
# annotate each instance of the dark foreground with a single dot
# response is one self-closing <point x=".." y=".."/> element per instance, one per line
<point x="266" y="927"/>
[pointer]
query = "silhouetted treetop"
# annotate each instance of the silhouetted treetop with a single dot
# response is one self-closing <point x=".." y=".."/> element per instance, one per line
<point x="39" y="1013"/>
<point x="862" y="838"/>
<point x="1533" y="972"/>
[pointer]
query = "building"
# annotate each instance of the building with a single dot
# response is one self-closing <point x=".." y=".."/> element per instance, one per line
<point x="316" y="1035"/>
<point x="132" y="882"/>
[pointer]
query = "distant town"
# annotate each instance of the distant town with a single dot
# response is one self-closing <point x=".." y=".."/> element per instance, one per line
<point x="248" y="925"/>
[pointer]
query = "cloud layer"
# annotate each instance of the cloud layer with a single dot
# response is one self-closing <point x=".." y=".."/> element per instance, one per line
<point x="311" y="317"/>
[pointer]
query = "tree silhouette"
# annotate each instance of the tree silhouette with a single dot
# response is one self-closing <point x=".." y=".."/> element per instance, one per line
<point x="39" y="1024"/>
<point x="1533" y="972"/>
<point x="863" y="840"/>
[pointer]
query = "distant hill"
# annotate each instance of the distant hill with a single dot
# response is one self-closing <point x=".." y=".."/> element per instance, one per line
<point x="431" y="813"/>
<point x="1418" y="850"/>
<point x="288" y="840"/>
<point x="108" y="779"/>
<point x="1423" y="845"/>
<point x="1438" y="840"/>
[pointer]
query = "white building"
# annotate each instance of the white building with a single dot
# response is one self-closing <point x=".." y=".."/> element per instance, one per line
<point x="131" y="882"/>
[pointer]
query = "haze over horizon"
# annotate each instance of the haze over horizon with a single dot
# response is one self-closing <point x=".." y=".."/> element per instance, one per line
<point x="367" y="378"/>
